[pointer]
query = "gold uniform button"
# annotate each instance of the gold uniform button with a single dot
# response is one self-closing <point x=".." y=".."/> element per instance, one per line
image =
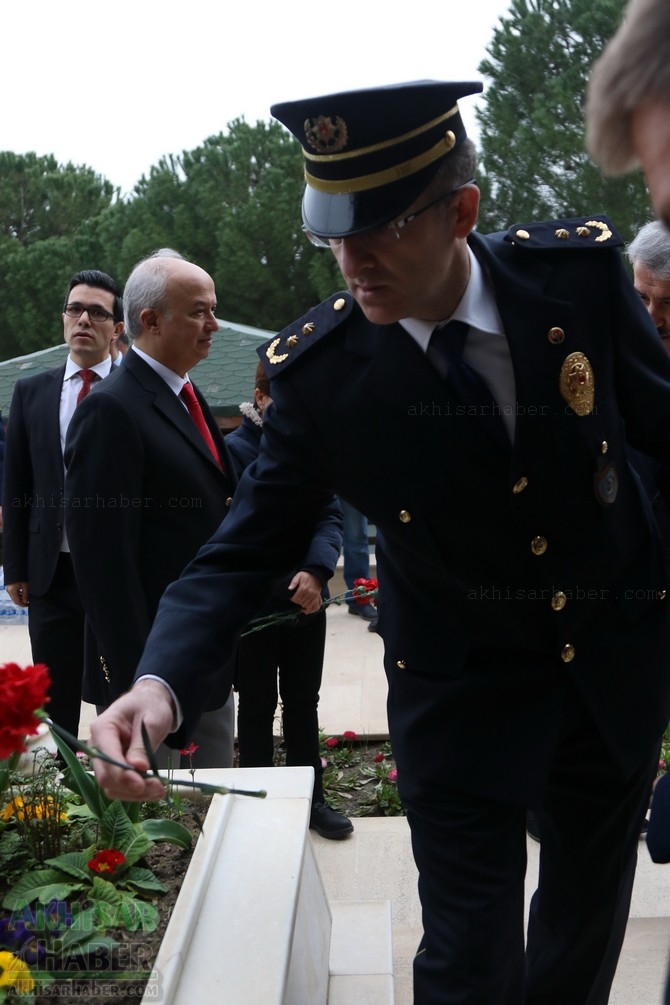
<point x="558" y="601"/>
<point x="339" y="304"/>
<point x="522" y="235"/>
<point x="520" y="485"/>
<point x="538" y="545"/>
<point x="229" y="501"/>
<point x="401" y="665"/>
<point x="556" y="335"/>
<point x="568" y="653"/>
<point x="604" y="447"/>
<point x="662" y="594"/>
<point x="404" y="516"/>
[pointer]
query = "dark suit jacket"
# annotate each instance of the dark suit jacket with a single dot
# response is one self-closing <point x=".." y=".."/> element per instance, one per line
<point x="144" y="493"/>
<point x="32" y="494"/>
<point x="504" y="573"/>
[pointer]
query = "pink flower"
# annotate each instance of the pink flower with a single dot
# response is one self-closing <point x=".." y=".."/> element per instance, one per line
<point x="332" y="741"/>
<point x="190" y="750"/>
<point x="661" y="765"/>
<point x="349" y="734"/>
<point x="393" y="775"/>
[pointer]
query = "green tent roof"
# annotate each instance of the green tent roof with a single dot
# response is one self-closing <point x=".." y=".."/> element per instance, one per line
<point x="226" y="377"/>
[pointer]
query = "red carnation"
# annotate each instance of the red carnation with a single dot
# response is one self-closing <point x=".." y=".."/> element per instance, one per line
<point x="332" y="741"/>
<point x="107" y="861"/>
<point x="190" y="750"/>
<point x="24" y="692"/>
<point x="349" y="734"/>
<point x="365" y="590"/>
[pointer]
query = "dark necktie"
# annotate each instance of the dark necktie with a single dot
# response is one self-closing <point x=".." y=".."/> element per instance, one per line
<point x="88" y="377"/>
<point x="445" y="351"/>
<point x="195" y="411"/>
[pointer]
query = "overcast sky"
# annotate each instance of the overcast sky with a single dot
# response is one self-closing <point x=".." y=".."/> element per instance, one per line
<point x="118" y="85"/>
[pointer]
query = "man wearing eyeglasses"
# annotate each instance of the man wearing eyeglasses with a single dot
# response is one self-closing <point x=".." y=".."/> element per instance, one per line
<point x="523" y="593"/>
<point x="38" y="568"/>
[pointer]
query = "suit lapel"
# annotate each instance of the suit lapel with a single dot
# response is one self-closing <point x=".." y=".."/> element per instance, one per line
<point x="51" y="403"/>
<point x="166" y="402"/>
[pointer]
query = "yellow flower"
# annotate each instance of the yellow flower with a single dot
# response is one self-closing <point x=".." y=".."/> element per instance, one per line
<point x="15" y="973"/>
<point x="32" y="811"/>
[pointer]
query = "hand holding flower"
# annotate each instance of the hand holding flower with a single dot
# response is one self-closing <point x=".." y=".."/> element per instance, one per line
<point x="306" y="592"/>
<point x="118" y="731"/>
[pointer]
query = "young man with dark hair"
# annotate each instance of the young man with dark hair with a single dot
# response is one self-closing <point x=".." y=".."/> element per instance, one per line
<point x="38" y="567"/>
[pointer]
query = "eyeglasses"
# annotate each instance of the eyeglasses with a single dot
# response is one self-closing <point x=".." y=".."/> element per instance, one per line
<point x="94" y="312"/>
<point x="387" y="230"/>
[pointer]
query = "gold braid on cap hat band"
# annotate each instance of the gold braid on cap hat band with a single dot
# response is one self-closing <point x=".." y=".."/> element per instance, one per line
<point x="379" y="178"/>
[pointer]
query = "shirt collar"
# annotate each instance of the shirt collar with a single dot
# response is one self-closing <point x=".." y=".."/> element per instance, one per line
<point x="477" y="307"/>
<point x="172" y="379"/>
<point x="103" y="369"/>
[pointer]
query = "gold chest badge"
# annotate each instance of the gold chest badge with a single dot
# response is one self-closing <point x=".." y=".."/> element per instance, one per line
<point x="576" y="383"/>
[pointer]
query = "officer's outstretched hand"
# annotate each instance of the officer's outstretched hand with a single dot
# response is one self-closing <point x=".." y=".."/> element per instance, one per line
<point x="118" y="733"/>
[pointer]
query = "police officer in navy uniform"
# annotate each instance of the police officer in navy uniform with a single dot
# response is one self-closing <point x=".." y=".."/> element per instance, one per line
<point x="523" y="598"/>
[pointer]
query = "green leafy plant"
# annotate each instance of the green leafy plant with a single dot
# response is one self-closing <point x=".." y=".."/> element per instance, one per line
<point x="71" y="857"/>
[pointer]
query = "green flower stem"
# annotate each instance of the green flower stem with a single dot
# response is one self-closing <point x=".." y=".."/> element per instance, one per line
<point x="93" y="752"/>
<point x="286" y="617"/>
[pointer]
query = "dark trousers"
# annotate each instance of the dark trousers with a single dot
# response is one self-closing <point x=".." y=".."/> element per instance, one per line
<point x="295" y="653"/>
<point x="56" y="628"/>
<point x="471" y="856"/>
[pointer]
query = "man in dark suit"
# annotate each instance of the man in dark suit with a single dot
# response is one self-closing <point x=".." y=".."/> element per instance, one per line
<point x="137" y="515"/>
<point x="38" y="568"/>
<point x="523" y="600"/>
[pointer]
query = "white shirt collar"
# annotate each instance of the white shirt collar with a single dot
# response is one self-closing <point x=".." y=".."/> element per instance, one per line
<point x="172" y="379"/>
<point x="477" y="307"/>
<point x="103" y="369"/>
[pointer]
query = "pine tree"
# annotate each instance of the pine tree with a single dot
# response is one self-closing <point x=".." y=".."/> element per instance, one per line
<point x="532" y="126"/>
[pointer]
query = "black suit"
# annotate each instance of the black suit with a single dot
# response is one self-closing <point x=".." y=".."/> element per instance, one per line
<point x="33" y="517"/>
<point x="144" y="493"/>
<point x="523" y="601"/>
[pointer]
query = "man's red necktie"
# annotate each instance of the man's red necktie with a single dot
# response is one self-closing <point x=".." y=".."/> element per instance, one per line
<point x="88" y="377"/>
<point x="195" y="411"/>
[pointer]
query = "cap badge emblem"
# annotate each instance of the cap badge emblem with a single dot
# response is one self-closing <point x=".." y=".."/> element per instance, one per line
<point x="326" y="135"/>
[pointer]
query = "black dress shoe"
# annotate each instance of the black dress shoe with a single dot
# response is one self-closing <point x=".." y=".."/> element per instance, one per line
<point x="329" y="823"/>
<point x="367" y="611"/>
<point x="372" y="627"/>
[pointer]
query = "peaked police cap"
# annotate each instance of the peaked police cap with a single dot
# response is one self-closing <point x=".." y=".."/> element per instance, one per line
<point x="368" y="154"/>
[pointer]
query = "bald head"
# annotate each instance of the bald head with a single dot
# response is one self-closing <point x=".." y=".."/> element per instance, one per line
<point x="170" y="310"/>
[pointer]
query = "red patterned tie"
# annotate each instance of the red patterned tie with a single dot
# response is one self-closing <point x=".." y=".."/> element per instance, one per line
<point x="195" y="411"/>
<point x="87" y="378"/>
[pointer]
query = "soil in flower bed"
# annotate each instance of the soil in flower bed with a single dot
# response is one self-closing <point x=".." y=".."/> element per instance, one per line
<point x="356" y="782"/>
